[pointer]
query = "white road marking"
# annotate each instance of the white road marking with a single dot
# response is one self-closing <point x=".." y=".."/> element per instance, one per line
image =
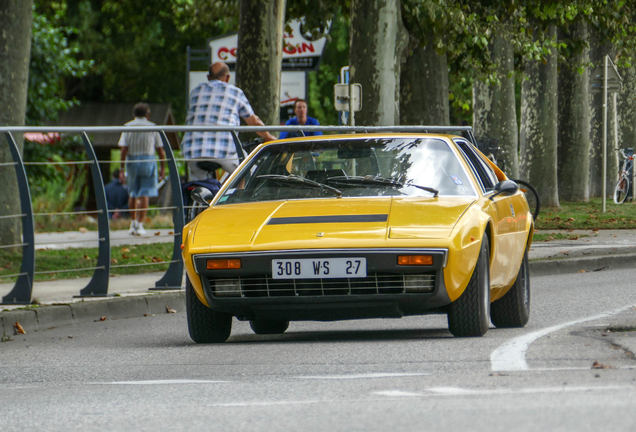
<point x="511" y="356"/>
<point x="158" y="382"/>
<point x="394" y="395"/>
<point x="362" y="376"/>
<point x="264" y="404"/>
<point x="397" y="393"/>
<point x="456" y="391"/>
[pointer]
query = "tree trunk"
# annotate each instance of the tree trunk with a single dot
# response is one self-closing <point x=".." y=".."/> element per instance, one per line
<point x="494" y="107"/>
<point x="538" y="134"/>
<point x="424" y="86"/>
<point x="627" y="108"/>
<point x="597" y="52"/>
<point x="378" y="41"/>
<point x="15" y="49"/>
<point x="259" y="55"/>
<point x="574" y="121"/>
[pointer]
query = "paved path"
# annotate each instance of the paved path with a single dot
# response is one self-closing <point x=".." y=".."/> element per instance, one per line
<point x="88" y="239"/>
<point x="585" y="243"/>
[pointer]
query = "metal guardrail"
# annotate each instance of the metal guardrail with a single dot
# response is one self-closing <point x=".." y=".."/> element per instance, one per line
<point x="98" y="285"/>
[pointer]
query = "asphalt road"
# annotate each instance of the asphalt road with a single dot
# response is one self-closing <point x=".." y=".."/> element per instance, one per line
<point x="409" y="374"/>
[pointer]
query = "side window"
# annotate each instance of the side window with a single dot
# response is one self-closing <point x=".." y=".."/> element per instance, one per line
<point x="484" y="173"/>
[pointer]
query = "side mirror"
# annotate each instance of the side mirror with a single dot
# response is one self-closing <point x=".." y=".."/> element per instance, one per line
<point x="507" y="187"/>
<point x="201" y="195"/>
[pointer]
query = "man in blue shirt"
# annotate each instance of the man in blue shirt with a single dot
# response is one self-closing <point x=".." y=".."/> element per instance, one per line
<point x="116" y="194"/>
<point x="301" y="119"/>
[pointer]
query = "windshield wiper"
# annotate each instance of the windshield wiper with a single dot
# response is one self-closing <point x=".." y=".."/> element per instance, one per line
<point x="303" y="180"/>
<point x="383" y="181"/>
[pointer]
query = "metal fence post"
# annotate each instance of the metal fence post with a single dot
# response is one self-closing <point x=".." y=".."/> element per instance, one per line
<point x="239" y="147"/>
<point x="174" y="275"/>
<point x="23" y="288"/>
<point x="98" y="285"/>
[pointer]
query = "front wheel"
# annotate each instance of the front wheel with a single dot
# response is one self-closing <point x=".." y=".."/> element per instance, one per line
<point x="621" y="189"/>
<point x="513" y="309"/>
<point x="469" y="315"/>
<point x="204" y="324"/>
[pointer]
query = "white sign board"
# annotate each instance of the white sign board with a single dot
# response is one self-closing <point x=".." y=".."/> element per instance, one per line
<point x="614" y="80"/>
<point x="341" y="97"/>
<point x="292" y="85"/>
<point x="300" y="50"/>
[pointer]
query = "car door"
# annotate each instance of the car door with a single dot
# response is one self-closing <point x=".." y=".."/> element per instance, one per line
<point x="504" y="243"/>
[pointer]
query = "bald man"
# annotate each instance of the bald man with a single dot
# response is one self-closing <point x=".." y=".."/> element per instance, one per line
<point x="216" y="103"/>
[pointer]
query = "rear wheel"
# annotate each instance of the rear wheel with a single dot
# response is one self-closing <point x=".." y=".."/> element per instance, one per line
<point x="469" y="315"/>
<point x="269" y="326"/>
<point x="513" y="309"/>
<point x="204" y="324"/>
<point x="620" y="191"/>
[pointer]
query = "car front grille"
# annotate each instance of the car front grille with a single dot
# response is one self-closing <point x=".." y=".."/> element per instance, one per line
<point x="374" y="284"/>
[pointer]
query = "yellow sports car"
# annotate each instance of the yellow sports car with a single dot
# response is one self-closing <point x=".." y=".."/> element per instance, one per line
<point x="359" y="226"/>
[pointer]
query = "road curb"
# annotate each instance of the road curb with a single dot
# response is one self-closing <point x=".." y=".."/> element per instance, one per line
<point x="45" y="317"/>
<point x="50" y="316"/>
<point x="582" y="264"/>
<point x="26" y="318"/>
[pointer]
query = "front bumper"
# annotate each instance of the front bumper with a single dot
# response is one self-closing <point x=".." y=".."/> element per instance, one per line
<point x="386" y="292"/>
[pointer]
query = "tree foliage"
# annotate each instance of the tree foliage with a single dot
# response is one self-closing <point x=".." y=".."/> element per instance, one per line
<point x="54" y="59"/>
<point x="137" y="48"/>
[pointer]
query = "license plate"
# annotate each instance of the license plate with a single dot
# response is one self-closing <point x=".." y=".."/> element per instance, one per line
<point x="319" y="268"/>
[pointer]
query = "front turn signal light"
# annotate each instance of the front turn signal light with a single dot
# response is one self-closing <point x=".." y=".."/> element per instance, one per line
<point x="223" y="264"/>
<point x="415" y="260"/>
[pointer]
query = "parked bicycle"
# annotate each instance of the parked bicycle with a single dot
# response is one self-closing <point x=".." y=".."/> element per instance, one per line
<point x="193" y="207"/>
<point x="531" y="196"/>
<point x="624" y="185"/>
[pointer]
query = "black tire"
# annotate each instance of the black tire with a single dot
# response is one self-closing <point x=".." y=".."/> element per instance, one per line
<point x="204" y="324"/>
<point x="513" y="309"/>
<point x="469" y="315"/>
<point x="531" y="196"/>
<point x="269" y="326"/>
<point x="194" y="211"/>
<point x="621" y="189"/>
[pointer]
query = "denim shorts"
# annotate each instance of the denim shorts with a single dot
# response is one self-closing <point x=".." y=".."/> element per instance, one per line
<point x="142" y="176"/>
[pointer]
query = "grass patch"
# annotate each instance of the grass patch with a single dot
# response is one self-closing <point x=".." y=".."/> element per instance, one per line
<point x="588" y="216"/>
<point x="537" y="237"/>
<point x="155" y="256"/>
<point x="621" y="329"/>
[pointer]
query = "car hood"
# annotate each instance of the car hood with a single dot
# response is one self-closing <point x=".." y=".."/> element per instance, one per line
<point x="325" y="223"/>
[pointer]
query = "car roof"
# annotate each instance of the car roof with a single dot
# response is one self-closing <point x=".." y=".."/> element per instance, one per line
<point x="364" y="136"/>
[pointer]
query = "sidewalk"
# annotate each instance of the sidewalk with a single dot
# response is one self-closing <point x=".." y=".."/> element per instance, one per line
<point x="63" y="290"/>
<point x="88" y="239"/>
<point x="584" y="251"/>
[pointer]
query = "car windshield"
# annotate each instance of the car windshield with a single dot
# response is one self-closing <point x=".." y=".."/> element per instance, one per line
<point x="357" y="167"/>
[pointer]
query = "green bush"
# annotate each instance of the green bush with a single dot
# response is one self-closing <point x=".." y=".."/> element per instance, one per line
<point x="56" y="186"/>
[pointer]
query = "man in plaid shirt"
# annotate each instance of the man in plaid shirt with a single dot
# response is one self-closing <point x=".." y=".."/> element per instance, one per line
<point x="216" y="103"/>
